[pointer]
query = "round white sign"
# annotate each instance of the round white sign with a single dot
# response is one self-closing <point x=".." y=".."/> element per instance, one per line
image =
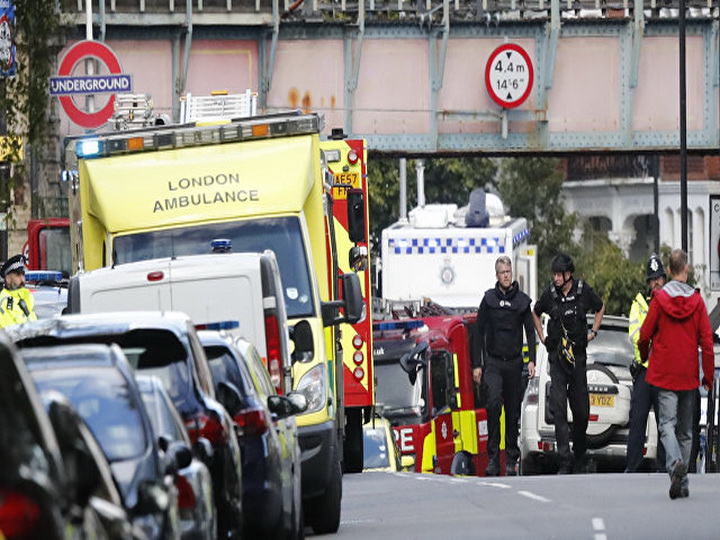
<point x="509" y="75"/>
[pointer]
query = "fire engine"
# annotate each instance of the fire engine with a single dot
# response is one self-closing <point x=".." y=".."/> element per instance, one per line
<point x="48" y="245"/>
<point x="263" y="183"/>
<point x="425" y="389"/>
<point x="346" y="160"/>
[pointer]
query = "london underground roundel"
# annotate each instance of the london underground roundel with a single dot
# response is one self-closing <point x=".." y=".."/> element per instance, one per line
<point x="509" y="75"/>
<point x="77" y="54"/>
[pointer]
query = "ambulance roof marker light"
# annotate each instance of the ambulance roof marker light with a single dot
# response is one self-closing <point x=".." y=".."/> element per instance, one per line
<point x="88" y="148"/>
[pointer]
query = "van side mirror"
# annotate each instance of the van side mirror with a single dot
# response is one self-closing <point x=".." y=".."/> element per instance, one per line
<point x="302" y="336"/>
<point x="356" y="215"/>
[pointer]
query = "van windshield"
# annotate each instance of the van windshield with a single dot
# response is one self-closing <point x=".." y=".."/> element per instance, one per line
<point x="283" y="235"/>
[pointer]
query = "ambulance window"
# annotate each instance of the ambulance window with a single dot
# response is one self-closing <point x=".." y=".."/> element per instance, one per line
<point x="283" y="235"/>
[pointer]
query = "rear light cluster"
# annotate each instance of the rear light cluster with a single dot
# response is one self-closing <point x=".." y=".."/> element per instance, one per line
<point x="19" y="515"/>
<point x="252" y="421"/>
<point x="546" y="446"/>
<point x="274" y="352"/>
<point x="207" y="425"/>
<point x="358" y="357"/>
<point x="186" y="496"/>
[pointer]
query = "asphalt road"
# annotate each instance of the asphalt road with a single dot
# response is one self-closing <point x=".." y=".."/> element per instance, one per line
<point x="379" y="505"/>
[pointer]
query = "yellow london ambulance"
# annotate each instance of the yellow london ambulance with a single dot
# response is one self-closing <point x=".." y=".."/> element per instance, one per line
<point x="261" y="182"/>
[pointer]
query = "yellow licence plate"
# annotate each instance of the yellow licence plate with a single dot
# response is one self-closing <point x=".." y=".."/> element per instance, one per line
<point x="602" y="400"/>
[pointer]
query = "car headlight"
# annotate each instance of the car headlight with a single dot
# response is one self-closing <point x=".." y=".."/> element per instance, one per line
<point x="312" y="385"/>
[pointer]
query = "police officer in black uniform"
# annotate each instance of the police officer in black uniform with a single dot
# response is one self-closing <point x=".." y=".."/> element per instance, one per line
<point x="503" y="314"/>
<point x="567" y="301"/>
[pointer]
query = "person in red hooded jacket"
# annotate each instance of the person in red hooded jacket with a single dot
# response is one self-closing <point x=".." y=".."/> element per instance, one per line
<point x="677" y="324"/>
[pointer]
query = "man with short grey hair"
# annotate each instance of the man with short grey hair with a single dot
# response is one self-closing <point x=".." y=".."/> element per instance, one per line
<point x="676" y="323"/>
<point x="503" y="314"/>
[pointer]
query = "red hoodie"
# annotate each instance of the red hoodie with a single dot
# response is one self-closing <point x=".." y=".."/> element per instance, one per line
<point x="676" y="325"/>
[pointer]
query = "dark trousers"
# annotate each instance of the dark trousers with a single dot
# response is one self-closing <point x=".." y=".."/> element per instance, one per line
<point x="503" y="384"/>
<point x="644" y="396"/>
<point x="569" y="384"/>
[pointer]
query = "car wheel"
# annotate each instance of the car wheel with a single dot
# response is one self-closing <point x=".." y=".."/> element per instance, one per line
<point x="598" y="440"/>
<point x="530" y="466"/>
<point x="462" y="465"/>
<point x="324" y="511"/>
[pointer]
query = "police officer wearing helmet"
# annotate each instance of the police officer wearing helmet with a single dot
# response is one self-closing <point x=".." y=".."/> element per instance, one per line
<point x="503" y="314"/>
<point x="16" y="302"/>
<point x="644" y="395"/>
<point x="566" y="302"/>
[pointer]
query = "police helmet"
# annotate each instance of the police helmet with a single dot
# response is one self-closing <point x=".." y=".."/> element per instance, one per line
<point x="563" y="263"/>
<point x="654" y="268"/>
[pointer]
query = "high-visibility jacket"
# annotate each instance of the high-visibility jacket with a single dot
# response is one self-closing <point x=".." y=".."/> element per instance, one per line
<point x="17" y="307"/>
<point x="638" y="312"/>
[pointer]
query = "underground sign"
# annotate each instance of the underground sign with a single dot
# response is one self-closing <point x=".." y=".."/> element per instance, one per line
<point x="66" y="85"/>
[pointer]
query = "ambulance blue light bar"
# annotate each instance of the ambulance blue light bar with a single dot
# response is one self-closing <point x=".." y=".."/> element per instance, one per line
<point x="88" y="148"/>
<point x="398" y="325"/>
<point x="221" y="325"/>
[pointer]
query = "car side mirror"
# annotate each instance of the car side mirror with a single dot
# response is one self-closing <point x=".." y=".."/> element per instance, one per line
<point x="178" y="456"/>
<point x="302" y="336"/>
<point x="229" y="397"/>
<point x="203" y="450"/>
<point x="279" y="406"/>
<point x="152" y="499"/>
<point x="299" y="402"/>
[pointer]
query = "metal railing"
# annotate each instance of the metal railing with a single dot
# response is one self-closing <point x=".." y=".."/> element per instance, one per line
<point x="390" y="10"/>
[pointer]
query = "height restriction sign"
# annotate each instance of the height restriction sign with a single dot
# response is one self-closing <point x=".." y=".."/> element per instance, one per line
<point x="509" y="75"/>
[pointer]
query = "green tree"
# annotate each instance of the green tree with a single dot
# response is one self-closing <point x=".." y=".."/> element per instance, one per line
<point x="603" y="264"/>
<point x="24" y="98"/>
<point x="531" y="187"/>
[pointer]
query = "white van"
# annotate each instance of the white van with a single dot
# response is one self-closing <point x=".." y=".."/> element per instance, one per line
<point x="240" y="293"/>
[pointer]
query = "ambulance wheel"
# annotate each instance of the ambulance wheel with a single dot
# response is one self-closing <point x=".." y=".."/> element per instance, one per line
<point x="324" y="511"/>
<point x="353" y="445"/>
<point x="598" y="440"/>
<point x="462" y="465"/>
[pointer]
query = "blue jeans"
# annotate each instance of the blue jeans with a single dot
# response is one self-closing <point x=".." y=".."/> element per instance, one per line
<point x="676" y="424"/>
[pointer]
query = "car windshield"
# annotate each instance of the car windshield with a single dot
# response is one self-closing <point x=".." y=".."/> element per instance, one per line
<point x="376" y="454"/>
<point x="283" y="235"/>
<point x="611" y="347"/>
<point x="102" y="397"/>
<point x="398" y="397"/>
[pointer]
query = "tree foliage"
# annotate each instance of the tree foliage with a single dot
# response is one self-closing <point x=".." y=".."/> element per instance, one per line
<point x="24" y="97"/>
<point x="531" y="187"/>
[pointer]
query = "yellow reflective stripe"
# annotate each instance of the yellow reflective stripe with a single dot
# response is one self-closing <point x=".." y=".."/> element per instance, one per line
<point x="464" y="423"/>
<point x="429" y="450"/>
<point x="456" y="376"/>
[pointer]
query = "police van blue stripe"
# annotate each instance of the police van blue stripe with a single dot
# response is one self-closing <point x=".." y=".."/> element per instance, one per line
<point x="413" y="246"/>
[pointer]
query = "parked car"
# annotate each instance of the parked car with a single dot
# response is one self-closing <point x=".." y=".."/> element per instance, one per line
<point x="49" y="290"/>
<point x="163" y="344"/>
<point x="101" y="387"/>
<point x="267" y="433"/>
<point x="609" y="357"/>
<point x="381" y="452"/>
<point x="194" y="483"/>
<point x="51" y="485"/>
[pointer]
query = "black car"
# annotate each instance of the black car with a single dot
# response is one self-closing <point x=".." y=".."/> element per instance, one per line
<point x="166" y="345"/>
<point x="99" y="383"/>
<point x="51" y="485"/>
<point x="267" y="433"/>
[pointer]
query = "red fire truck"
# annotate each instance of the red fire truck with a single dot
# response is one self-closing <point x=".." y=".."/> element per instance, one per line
<point x="425" y="389"/>
<point x="48" y="245"/>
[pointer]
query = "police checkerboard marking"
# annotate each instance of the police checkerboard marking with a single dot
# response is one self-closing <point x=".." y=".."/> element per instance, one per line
<point x="413" y="246"/>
